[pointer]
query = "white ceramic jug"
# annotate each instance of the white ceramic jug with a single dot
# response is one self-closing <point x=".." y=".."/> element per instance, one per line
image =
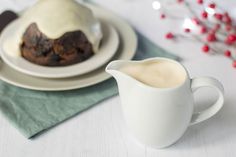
<point x="158" y="117"/>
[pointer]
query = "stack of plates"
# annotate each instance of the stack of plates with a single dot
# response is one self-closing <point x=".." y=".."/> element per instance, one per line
<point x="119" y="42"/>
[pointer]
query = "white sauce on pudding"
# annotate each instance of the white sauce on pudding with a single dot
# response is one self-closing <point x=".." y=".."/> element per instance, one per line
<point x="54" y="18"/>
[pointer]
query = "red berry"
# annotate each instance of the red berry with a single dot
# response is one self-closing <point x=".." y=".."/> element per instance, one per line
<point x="234" y="64"/>
<point x="205" y="48"/>
<point x="227" y="20"/>
<point x="216" y="27"/>
<point x="231" y="37"/>
<point x="204" y="14"/>
<point x="227" y="53"/>
<point x="211" y="37"/>
<point x="203" y="29"/>
<point x="212" y="5"/>
<point x="228" y="27"/>
<point x="169" y="35"/>
<point x="228" y="42"/>
<point x="163" y="16"/>
<point x="200" y="1"/>
<point x="187" y="30"/>
<point x="180" y="1"/>
<point x="196" y="21"/>
<point x="218" y="16"/>
<point x="226" y="14"/>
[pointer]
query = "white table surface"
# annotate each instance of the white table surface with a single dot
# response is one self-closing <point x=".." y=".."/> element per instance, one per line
<point x="101" y="131"/>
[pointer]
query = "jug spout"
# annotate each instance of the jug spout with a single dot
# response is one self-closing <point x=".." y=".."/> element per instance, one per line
<point x="113" y="68"/>
<point x="123" y="80"/>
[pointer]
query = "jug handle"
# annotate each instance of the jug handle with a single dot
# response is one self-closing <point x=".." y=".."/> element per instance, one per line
<point x="198" y="82"/>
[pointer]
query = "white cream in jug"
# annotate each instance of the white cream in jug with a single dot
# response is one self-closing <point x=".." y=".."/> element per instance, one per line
<point x="160" y="74"/>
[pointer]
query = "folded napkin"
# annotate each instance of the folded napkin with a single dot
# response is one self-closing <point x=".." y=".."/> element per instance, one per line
<point x="33" y="112"/>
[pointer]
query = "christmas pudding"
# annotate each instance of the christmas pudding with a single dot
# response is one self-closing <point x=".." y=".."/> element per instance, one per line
<point x="56" y="33"/>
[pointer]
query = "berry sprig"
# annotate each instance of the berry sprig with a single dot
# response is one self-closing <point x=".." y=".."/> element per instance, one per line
<point x="220" y="31"/>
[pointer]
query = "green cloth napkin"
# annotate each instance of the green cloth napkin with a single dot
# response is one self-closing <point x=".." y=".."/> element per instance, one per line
<point x="33" y="112"/>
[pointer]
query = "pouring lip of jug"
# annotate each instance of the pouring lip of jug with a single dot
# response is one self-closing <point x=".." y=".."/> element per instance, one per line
<point x="109" y="69"/>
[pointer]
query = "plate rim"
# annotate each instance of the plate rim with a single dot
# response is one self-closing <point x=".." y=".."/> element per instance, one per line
<point x="72" y="73"/>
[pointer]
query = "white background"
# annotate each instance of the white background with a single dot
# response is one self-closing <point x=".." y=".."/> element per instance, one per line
<point x="101" y="132"/>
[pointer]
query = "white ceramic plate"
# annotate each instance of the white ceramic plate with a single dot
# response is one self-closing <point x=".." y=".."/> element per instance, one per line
<point x="126" y="51"/>
<point x="106" y="51"/>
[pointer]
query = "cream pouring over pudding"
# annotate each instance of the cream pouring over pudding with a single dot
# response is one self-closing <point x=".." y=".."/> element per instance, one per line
<point x="160" y="74"/>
